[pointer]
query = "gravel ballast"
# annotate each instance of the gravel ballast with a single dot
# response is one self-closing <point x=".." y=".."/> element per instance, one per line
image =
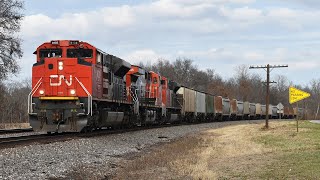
<point x="95" y="154"/>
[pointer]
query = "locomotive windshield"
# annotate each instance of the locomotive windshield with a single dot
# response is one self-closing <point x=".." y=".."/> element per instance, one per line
<point x="50" y="53"/>
<point x="82" y="53"/>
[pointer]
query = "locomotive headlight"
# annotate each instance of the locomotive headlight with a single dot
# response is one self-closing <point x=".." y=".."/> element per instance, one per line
<point x="60" y="63"/>
<point x="72" y="92"/>
<point x="60" y="68"/>
<point x="41" y="92"/>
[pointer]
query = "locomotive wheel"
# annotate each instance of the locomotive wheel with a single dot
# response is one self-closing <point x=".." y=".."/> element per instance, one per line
<point x="87" y="129"/>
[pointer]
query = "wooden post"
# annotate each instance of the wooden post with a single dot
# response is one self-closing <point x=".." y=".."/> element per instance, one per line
<point x="297" y="118"/>
<point x="267" y="96"/>
<point x="267" y="67"/>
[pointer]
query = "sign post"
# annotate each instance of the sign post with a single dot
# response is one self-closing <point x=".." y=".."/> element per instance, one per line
<point x="296" y="95"/>
<point x="280" y="109"/>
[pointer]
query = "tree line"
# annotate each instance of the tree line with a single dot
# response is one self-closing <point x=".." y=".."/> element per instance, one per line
<point x="13" y="101"/>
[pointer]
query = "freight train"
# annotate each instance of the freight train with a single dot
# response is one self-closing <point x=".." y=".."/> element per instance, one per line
<point x="78" y="87"/>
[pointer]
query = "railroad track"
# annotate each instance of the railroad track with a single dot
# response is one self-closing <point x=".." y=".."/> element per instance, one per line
<point x="10" y="142"/>
<point x="11" y="131"/>
<point x="26" y="140"/>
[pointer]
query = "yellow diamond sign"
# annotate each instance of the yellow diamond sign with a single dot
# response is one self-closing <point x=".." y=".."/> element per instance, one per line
<point x="296" y="95"/>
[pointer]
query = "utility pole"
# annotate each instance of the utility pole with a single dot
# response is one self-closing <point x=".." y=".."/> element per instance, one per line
<point x="267" y="68"/>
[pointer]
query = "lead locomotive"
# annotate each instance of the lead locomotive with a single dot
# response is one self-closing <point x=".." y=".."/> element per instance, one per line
<point x="77" y="87"/>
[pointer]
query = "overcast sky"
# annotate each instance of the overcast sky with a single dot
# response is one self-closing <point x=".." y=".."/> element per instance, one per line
<point x="218" y="34"/>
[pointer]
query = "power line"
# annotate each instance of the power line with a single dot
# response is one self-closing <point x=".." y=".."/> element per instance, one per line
<point x="267" y="68"/>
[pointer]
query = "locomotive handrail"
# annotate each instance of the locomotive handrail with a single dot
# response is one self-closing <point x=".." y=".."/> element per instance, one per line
<point x="89" y="97"/>
<point x="35" y="88"/>
<point x="136" y="94"/>
<point x="134" y="97"/>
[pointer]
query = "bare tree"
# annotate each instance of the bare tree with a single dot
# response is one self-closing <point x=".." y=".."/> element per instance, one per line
<point x="315" y="93"/>
<point x="10" y="43"/>
<point x="13" y="104"/>
<point x="242" y="78"/>
<point x="280" y="90"/>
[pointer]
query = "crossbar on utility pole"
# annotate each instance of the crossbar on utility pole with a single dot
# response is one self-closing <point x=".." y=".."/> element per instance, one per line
<point x="268" y="66"/>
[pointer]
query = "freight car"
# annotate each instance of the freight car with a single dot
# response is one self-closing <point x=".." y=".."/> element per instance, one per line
<point x="246" y="110"/>
<point x="252" y="110"/>
<point x="209" y="107"/>
<point x="236" y="109"/>
<point x="78" y="87"/>
<point x="258" y="111"/>
<point x="218" y="108"/>
<point x="274" y="111"/>
<point x="240" y="110"/>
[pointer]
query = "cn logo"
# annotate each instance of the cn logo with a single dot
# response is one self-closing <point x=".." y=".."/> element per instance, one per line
<point x="60" y="78"/>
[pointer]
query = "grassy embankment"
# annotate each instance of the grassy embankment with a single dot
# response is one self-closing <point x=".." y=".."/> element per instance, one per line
<point x="234" y="152"/>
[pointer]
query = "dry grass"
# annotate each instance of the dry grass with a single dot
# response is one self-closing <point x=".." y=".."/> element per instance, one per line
<point x="234" y="152"/>
<point x="208" y="155"/>
<point x="224" y="153"/>
<point x="157" y="162"/>
<point x="14" y="125"/>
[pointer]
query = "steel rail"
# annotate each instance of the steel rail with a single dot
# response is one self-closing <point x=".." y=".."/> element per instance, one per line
<point x="11" y="131"/>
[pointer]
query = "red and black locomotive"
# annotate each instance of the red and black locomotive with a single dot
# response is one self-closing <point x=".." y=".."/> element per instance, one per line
<point x="78" y="87"/>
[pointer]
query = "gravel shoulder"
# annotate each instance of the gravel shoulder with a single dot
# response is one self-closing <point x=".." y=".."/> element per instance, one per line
<point x="90" y="158"/>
